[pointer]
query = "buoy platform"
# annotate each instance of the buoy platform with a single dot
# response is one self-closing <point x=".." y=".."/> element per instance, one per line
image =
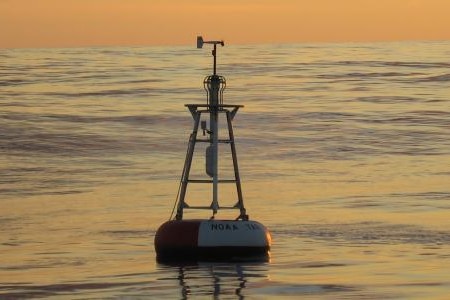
<point x="239" y="239"/>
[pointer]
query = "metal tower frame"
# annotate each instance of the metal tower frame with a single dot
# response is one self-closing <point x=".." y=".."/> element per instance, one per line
<point x="214" y="86"/>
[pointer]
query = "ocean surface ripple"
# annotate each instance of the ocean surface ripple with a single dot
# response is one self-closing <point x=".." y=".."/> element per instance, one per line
<point x="344" y="152"/>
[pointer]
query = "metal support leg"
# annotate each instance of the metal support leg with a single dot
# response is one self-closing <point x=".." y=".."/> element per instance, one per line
<point x="187" y="164"/>
<point x="240" y="203"/>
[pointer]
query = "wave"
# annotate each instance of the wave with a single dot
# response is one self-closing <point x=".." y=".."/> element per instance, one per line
<point x="21" y="291"/>
<point x="381" y="63"/>
<point x="435" y="78"/>
<point x="365" y="233"/>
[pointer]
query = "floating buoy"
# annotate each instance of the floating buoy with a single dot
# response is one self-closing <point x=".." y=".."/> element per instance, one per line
<point x="212" y="239"/>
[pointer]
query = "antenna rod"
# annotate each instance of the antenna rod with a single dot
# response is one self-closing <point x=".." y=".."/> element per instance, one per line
<point x="215" y="59"/>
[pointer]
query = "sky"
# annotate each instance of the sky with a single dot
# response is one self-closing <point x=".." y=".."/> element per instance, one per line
<point x="75" y="23"/>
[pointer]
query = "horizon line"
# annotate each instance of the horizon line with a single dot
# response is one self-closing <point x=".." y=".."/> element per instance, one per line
<point x="106" y="45"/>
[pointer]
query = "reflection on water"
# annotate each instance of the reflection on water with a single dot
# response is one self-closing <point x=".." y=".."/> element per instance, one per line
<point x="214" y="279"/>
<point x="241" y="281"/>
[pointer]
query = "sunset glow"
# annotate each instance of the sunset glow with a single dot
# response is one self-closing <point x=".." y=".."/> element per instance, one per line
<point x="63" y="23"/>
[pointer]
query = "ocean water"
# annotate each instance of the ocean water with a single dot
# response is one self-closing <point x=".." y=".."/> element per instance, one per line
<point x="344" y="154"/>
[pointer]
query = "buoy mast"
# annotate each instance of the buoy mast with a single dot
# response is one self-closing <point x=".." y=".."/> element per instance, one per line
<point x="214" y="85"/>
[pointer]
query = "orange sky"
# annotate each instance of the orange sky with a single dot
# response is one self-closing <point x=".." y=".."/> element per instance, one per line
<point x="65" y="23"/>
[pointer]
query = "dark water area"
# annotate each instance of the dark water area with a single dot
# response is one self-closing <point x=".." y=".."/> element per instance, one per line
<point x="344" y="153"/>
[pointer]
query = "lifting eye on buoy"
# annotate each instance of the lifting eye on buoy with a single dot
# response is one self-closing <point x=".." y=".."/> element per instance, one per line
<point x="212" y="238"/>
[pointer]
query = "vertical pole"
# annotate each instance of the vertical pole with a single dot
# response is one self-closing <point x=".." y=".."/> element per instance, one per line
<point x="237" y="177"/>
<point x="214" y="115"/>
<point x="214" y="55"/>
<point x="188" y="163"/>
